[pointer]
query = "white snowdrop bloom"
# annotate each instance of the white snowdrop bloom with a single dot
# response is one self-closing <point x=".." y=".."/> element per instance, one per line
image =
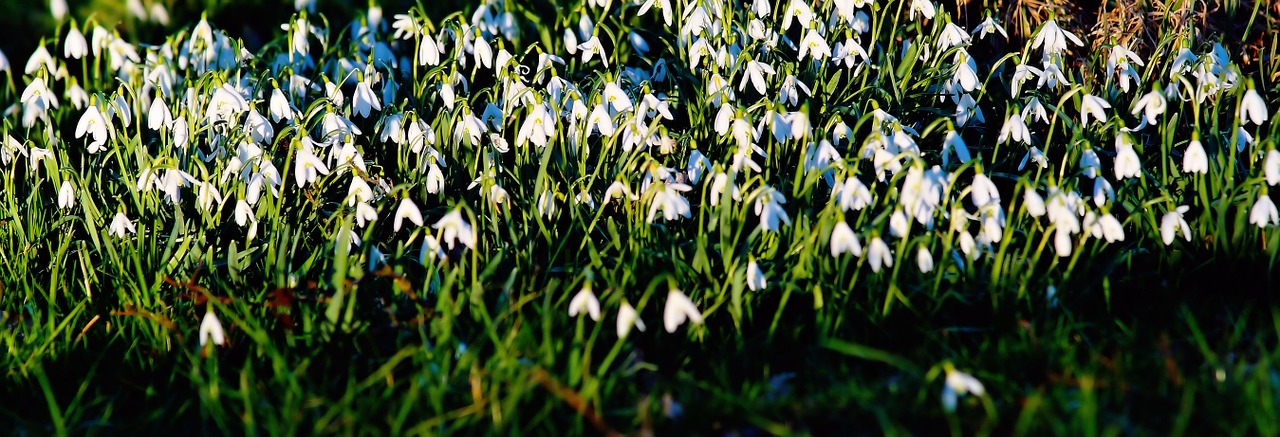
<point x="898" y="224"/>
<point x="280" y="108"/>
<point x="225" y="105"/>
<point x="696" y="166"/>
<point x="678" y="310"/>
<point x="1092" y="105"/>
<point x="958" y="384"/>
<point x="954" y="144"/>
<point x="364" y="101"/>
<point x="618" y="190"/>
<point x="121" y="226"/>
<point x="983" y="192"/>
<point x="768" y="206"/>
<point x="96" y="125"/>
<point x="1014" y="128"/>
<point x="719" y="183"/>
<point x="244" y="214"/>
<point x="667" y="199"/>
<point x="66" y="195"/>
<point x="800" y="11"/>
<point x="1195" y="160"/>
<point x="585" y="302"/>
<point x="1253" y="108"/>
<point x="40" y="59"/>
<point x="211" y="330"/>
<point x="1052" y="76"/>
<point x="1090" y="164"/>
<point x="628" y="317"/>
<point x="74" y="46"/>
<point x="546" y="204"/>
<point x="1033" y="202"/>
<point x="365" y="214"/>
<point x="1035" y="110"/>
<point x="1264" y="212"/>
<point x="878" y="254"/>
<point x="159" y="115"/>
<point x="307" y="166"/>
<point x="538" y="127"/>
<point x="1151" y="106"/>
<point x="851" y="54"/>
<point x="58" y="9"/>
<point x="755" y="73"/>
<point x="207" y="196"/>
<point x="989" y="26"/>
<point x="925" y="8"/>
<point x="756" y="280"/>
<point x="1053" y="39"/>
<point x="593" y="47"/>
<point x="1021" y="74"/>
<point x="924" y="260"/>
<point x="843" y="241"/>
<point x="968" y="246"/>
<point x="1102" y="192"/>
<point x="1172" y="223"/>
<point x="790" y="90"/>
<point x="952" y="36"/>
<point x="1271" y="167"/>
<point x="4" y="63"/>
<point x="456" y="230"/>
<point x="1107" y="227"/>
<point x="407" y="210"/>
<point x="663" y="6"/>
<point x="814" y="45"/>
<point x="1127" y="163"/>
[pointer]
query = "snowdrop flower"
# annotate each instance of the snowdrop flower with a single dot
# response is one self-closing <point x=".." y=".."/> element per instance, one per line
<point x="1264" y="212"/>
<point x="813" y="44"/>
<point x="593" y="47"/>
<point x="664" y="6"/>
<point x="585" y="301"/>
<point x="308" y="167"/>
<point x="40" y="59"/>
<point x="75" y="46"/>
<point x="207" y="195"/>
<point x="1253" y="108"/>
<point x="768" y="207"/>
<point x="364" y="100"/>
<point x="668" y="200"/>
<point x="878" y="254"/>
<point x="843" y="241"/>
<point x="1194" y="160"/>
<point x="924" y="260"/>
<point x="96" y="125"/>
<point x="538" y="127"/>
<point x="121" y="226"/>
<point x="679" y="309"/>
<point x="1172" y="223"/>
<point x="1021" y="74"/>
<point x="1271" y="167"/>
<point x="988" y="26"/>
<point x="211" y="330"/>
<point x="898" y="224"/>
<point x="159" y="116"/>
<point x="1127" y="162"/>
<point x="755" y="73"/>
<point x="1033" y="202"/>
<point x="952" y="36"/>
<point x="924" y="7"/>
<point x="1014" y="128"/>
<point x="958" y="384"/>
<point x="628" y="317"/>
<point x="755" y="277"/>
<point x="456" y="230"/>
<point x="1092" y="105"/>
<point x="1106" y="227"/>
<point x="244" y="215"/>
<point x="409" y="210"/>
<point x="4" y="63"/>
<point x="1151" y="106"/>
<point x="66" y="195"/>
<point x="1053" y="39"/>
<point x="800" y="11"/>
